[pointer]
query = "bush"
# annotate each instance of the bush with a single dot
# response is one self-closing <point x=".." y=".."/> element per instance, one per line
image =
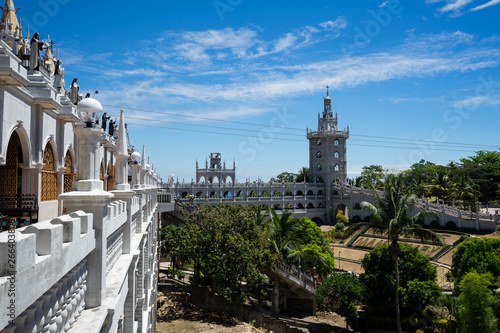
<point x="339" y="226"/>
<point x="180" y="274"/>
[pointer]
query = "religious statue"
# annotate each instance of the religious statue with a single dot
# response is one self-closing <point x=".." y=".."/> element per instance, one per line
<point x="73" y="92"/>
<point x="104" y="120"/>
<point x="59" y="77"/>
<point x="36" y="47"/>
<point x="111" y="130"/>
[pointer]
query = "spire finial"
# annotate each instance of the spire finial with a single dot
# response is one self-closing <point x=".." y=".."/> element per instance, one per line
<point x="327" y="87"/>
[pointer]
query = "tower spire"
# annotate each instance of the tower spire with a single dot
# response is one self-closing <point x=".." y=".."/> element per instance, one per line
<point x="9" y="22"/>
<point x="327" y="87"/>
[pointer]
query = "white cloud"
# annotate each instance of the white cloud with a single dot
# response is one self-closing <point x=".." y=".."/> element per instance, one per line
<point x="476" y="101"/>
<point x="383" y="4"/>
<point x="339" y="24"/>
<point x="486" y="5"/>
<point x="455" y="5"/>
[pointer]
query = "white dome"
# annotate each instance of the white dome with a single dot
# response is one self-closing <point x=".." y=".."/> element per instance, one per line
<point x="89" y="105"/>
<point x="135" y="156"/>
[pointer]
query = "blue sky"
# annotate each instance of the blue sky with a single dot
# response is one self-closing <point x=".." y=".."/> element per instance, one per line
<point x="412" y="79"/>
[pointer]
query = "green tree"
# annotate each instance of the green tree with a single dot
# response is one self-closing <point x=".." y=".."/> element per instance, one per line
<point x="174" y="242"/>
<point x="475" y="312"/>
<point x="484" y="170"/>
<point x="417" y="288"/>
<point x="304" y="175"/>
<point x="285" y="177"/>
<point x="372" y="176"/>
<point x="227" y="247"/>
<point x="481" y="255"/>
<point x="340" y="292"/>
<point x="464" y="189"/>
<point x="393" y="214"/>
<point x="440" y="182"/>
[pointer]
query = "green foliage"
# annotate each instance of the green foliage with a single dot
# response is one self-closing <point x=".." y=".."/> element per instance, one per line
<point x="304" y="175"/>
<point x="481" y="255"/>
<point x="339" y="226"/>
<point x="340" y="292"/>
<point x="475" y="313"/>
<point x="341" y="218"/>
<point x="285" y="177"/>
<point x="372" y="176"/>
<point x="227" y="247"/>
<point x="173" y="242"/>
<point x="379" y="281"/>
<point x="484" y="170"/>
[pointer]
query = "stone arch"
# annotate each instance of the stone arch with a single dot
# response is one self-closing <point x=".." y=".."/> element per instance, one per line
<point x="240" y="194"/>
<point x="101" y="173"/>
<point x="288" y="193"/>
<point x="434" y="224"/>
<point x="319" y="180"/>
<point x="310" y="193"/>
<point x="200" y="195"/>
<point x="320" y="192"/>
<point x="336" y="142"/>
<point x="318" y="220"/>
<point x="228" y="194"/>
<point x="356" y="218"/>
<point x="213" y="194"/>
<point x="337" y="167"/>
<point x="199" y="180"/>
<point x="24" y="141"/>
<point x="451" y="225"/>
<point x="230" y="177"/>
<point x="277" y="207"/>
<point x="299" y="192"/>
<point x="321" y="205"/>
<point x="184" y="194"/>
<point x="335" y="192"/>
<point x="214" y="179"/>
<point x="288" y="206"/>
<point x="310" y="205"/>
<point x="300" y="206"/>
<point x="277" y="193"/>
<point x="357" y="206"/>
<point x="253" y="194"/>
<point x="265" y="194"/>
<point x="341" y="207"/>
<point x="49" y="173"/>
<point x="336" y="155"/>
<point x="69" y="175"/>
<point x="9" y="173"/>
<point x="366" y="219"/>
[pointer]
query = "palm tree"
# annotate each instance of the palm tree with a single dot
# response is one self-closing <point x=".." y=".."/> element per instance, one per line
<point x="393" y="214"/>
<point x="303" y="175"/>
<point x="286" y="233"/>
<point x="440" y="183"/>
<point x="464" y="188"/>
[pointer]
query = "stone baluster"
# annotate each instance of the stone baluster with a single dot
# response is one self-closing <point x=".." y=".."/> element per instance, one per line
<point x="47" y="310"/>
<point x="54" y="301"/>
<point x="19" y="322"/>
<point x="83" y="289"/>
<point x="39" y="314"/>
<point x="73" y="302"/>
<point x="68" y="296"/>
<point x="30" y="323"/>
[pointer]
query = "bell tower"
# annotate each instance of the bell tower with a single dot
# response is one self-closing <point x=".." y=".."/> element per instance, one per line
<point x="328" y="147"/>
<point x="328" y="151"/>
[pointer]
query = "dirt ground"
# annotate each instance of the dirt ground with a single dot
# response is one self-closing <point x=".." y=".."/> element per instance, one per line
<point x="175" y="315"/>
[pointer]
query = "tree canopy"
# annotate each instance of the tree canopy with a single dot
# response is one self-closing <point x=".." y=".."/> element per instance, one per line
<point x="481" y="255"/>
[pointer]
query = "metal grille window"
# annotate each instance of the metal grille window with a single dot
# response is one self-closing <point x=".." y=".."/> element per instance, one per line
<point x="111" y="177"/>
<point x="8" y="172"/>
<point x="49" y="175"/>
<point x="69" y="176"/>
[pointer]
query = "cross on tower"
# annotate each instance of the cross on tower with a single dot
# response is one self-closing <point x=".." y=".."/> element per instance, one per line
<point x="7" y="25"/>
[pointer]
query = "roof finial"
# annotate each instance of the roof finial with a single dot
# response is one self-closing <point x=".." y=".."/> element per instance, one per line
<point x="327" y="90"/>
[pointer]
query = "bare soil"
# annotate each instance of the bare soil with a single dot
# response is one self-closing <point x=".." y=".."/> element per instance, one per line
<point x="176" y="315"/>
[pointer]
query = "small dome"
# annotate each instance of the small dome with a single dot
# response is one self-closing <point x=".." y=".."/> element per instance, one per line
<point x="89" y="105"/>
<point x="135" y="156"/>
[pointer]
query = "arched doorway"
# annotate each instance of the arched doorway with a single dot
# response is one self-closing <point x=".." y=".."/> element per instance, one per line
<point x="110" y="180"/>
<point x="11" y="173"/>
<point x="49" y="175"/>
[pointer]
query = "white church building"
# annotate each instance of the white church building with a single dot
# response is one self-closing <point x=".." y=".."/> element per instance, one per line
<point x="78" y="207"/>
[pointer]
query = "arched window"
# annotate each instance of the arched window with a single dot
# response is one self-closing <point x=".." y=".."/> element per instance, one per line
<point x="319" y="180"/>
<point x="318" y="143"/>
<point x="336" y="142"/>
<point x="49" y="175"/>
<point x="318" y="154"/>
<point x="69" y="176"/>
<point x="318" y="167"/>
<point x="101" y="174"/>
<point x="336" y="155"/>
<point x="10" y="173"/>
<point x="337" y="168"/>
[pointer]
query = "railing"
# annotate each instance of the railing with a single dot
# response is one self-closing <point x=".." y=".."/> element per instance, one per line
<point x="293" y="273"/>
<point x="22" y="206"/>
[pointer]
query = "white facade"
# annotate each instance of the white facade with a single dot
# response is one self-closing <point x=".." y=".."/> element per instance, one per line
<point x="86" y="260"/>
